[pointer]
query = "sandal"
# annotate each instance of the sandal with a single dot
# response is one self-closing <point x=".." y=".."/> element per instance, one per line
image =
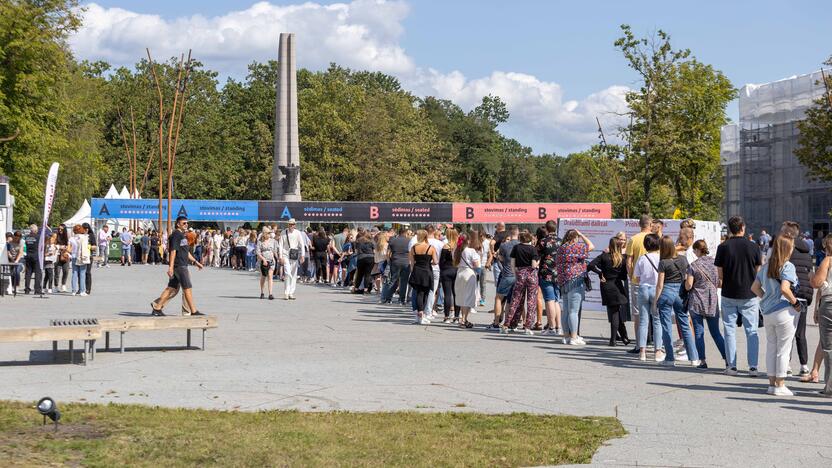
<point x="468" y="324"/>
<point x="813" y="377"/>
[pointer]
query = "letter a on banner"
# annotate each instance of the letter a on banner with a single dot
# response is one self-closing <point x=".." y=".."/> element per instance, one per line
<point x="48" y="197"/>
<point x="286" y="214"/>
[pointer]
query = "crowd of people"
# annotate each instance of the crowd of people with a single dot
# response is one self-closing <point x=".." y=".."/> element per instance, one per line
<point x="439" y="272"/>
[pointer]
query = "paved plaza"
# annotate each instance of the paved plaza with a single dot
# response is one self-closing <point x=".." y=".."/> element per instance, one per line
<point x="334" y="351"/>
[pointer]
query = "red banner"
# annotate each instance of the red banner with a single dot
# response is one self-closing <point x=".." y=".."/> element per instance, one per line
<point x="527" y="213"/>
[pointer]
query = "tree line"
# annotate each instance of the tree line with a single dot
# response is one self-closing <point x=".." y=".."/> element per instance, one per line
<point x="362" y="136"/>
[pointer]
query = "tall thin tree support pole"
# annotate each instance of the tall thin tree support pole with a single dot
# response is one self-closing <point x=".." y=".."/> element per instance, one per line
<point x="161" y="130"/>
<point x="170" y="140"/>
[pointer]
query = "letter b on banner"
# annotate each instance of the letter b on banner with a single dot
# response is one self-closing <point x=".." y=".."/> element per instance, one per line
<point x="541" y="212"/>
<point x="373" y="212"/>
<point x="469" y="212"/>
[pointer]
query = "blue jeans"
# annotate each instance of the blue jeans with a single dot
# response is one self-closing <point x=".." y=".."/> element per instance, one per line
<point x="646" y="294"/>
<point x="572" y="293"/>
<point x="670" y="303"/>
<point x="699" y="322"/>
<point x="748" y="309"/>
<point x="79" y="278"/>
<point x="250" y="261"/>
<point x="398" y="274"/>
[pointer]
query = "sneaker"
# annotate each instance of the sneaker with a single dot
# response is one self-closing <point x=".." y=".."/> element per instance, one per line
<point x="770" y="390"/>
<point x="782" y="391"/>
<point x="804" y="371"/>
<point x="635" y="350"/>
<point x="681" y="356"/>
<point x="660" y="355"/>
<point x="271" y="297"/>
<point x="482" y="303"/>
<point x="752" y="372"/>
<point x="157" y="313"/>
<point x="667" y="363"/>
<point x="547" y="332"/>
<point x="529" y="332"/>
<point x="576" y="342"/>
<point x="262" y="296"/>
<point x="493" y="326"/>
<point x="424" y="321"/>
<point x="731" y="371"/>
<point x="696" y="363"/>
<point x="83" y="294"/>
<point x="789" y="373"/>
<point x="73" y="293"/>
<point x="49" y="291"/>
<point x="703" y="365"/>
<point x="567" y="340"/>
<point x="580" y="340"/>
<point x="642" y="356"/>
<point x="446" y="320"/>
<point x="504" y="330"/>
<point x="537" y="327"/>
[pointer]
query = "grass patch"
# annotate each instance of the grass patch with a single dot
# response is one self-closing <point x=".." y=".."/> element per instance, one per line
<point x="132" y="435"/>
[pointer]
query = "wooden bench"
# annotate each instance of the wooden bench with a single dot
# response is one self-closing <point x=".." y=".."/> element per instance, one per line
<point x="188" y="323"/>
<point x="86" y="332"/>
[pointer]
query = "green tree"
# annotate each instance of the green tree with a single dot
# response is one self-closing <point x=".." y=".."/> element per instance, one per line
<point x="676" y="114"/>
<point x="815" y="139"/>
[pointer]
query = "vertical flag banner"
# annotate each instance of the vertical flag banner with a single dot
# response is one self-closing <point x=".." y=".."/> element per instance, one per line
<point x="48" y="198"/>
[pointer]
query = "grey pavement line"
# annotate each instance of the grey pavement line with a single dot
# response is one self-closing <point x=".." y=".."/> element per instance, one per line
<point x="304" y="394"/>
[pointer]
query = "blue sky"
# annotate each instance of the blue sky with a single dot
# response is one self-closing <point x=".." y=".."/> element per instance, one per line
<point x="558" y="47"/>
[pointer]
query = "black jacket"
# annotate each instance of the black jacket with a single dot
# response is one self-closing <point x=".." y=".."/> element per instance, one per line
<point x="614" y="289"/>
<point x="804" y="265"/>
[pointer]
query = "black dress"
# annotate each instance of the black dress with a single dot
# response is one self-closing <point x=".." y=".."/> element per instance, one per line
<point x="421" y="277"/>
<point x="613" y="293"/>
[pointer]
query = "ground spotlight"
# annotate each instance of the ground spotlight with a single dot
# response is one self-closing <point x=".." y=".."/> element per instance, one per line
<point x="47" y="407"/>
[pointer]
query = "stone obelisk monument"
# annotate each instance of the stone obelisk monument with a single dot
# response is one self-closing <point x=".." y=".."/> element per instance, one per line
<point x="286" y="168"/>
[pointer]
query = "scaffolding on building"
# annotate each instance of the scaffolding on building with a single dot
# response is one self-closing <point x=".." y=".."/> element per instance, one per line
<point x="764" y="181"/>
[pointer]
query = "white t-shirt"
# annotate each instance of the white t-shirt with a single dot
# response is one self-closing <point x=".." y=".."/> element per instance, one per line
<point x="437" y="245"/>
<point x="644" y="271"/>
<point x="470" y="258"/>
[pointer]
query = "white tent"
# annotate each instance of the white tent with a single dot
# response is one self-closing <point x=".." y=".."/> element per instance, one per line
<point x="124" y="193"/>
<point x="112" y="192"/>
<point x="81" y="216"/>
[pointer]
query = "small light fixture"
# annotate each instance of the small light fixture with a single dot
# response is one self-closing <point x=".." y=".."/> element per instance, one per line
<point x="47" y="407"/>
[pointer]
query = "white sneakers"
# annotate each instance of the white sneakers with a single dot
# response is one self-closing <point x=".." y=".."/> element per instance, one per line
<point x="695" y="363"/>
<point x="529" y="332"/>
<point x="642" y="356"/>
<point x="424" y="321"/>
<point x="83" y="294"/>
<point x="660" y="355"/>
<point x="782" y="391"/>
<point x="577" y="341"/>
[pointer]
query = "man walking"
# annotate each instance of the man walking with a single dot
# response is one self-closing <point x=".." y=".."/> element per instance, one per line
<point x="737" y="261"/>
<point x="32" y="243"/>
<point x="179" y="257"/>
<point x="291" y="250"/>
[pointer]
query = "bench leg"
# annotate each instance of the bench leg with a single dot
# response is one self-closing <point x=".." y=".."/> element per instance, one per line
<point x="203" y="339"/>
<point x="106" y="341"/>
<point x="71" y="352"/>
<point x="86" y="348"/>
<point x="92" y="349"/>
<point x="189" y="337"/>
<point x="54" y="351"/>
<point x="121" y="341"/>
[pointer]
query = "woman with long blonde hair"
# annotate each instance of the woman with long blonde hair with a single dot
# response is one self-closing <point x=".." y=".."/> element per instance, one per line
<point x="612" y="272"/>
<point x="774" y="285"/>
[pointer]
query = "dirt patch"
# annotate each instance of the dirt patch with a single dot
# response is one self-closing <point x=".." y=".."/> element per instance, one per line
<point x="47" y="432"/>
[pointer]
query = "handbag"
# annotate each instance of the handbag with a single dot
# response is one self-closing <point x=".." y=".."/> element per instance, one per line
<point x="587" y="283"/>
<point x="294" y="254"/>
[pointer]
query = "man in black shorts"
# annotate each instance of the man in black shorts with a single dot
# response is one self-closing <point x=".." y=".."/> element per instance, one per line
<point x="179" y="258"/>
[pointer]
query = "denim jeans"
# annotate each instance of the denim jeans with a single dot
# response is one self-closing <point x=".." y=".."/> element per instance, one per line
<point x="699" y="322"/>
<point x="670" y="303"/>
<point x="79" y="278"/>
<point x="398" y="274"/>
<point x="496" y="269"/>
<point x="572" y="293"/>
<point x="748" y="309"/>
<point x="432" y="294"/>
<point x="646" y="294"/>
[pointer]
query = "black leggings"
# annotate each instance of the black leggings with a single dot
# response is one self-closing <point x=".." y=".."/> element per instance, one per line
<point x="321" y="266"/>
<point x="48" y="275"/>
<point x="617" y="326"/>
<point x="421" y="293"/>
<point x="364" y="270"/>
<point x="240" y="254"/>
<point x="800" y="340"/>
<point x="447" y="278"/>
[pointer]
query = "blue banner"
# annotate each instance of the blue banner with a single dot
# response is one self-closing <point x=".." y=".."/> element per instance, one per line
<point x="196" y="210"/>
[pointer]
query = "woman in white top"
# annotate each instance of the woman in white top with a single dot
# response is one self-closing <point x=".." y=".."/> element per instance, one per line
<point x="646" y="274"/>
<point x="80" y="252"/>
<point x="485" y="252"/>
<point x="467" y="260"/>
<point x="266" y="255"/>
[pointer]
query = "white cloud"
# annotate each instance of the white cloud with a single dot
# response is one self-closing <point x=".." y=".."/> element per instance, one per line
<point x="363" y="34"/>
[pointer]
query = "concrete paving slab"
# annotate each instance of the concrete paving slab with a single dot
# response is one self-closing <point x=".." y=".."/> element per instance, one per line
<point x="330" y="350"/>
